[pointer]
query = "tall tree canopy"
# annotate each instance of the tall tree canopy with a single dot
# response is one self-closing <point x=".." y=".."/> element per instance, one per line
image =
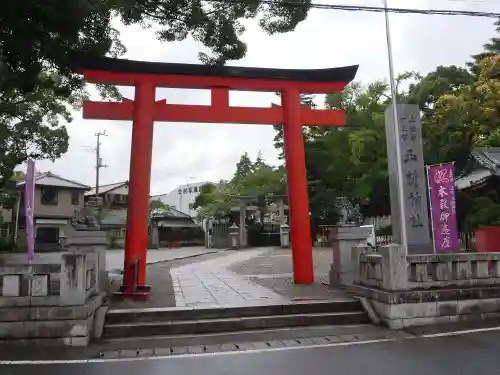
<point x="460" y="111"/>
<point x="251" y="179"/>
<point x="40" y="38"/>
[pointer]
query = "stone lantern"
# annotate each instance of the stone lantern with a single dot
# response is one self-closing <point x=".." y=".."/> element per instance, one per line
<point x="234" y="232"/>
<point x="285" y="236"/>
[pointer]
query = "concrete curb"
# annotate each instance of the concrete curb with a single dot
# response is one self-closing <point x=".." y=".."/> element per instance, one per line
<point x="99" y="319"/>
<point x="120" y="271"/>
<point x="185" y="257"/>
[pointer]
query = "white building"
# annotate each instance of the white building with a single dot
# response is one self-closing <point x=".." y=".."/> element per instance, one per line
<point x="182" y="197"/>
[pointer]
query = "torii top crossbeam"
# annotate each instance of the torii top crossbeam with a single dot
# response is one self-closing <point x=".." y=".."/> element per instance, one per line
<point x="123" y="72"/>
<point x="145" y="109"/>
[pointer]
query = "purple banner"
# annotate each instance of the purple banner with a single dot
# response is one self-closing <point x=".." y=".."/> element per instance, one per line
<point x="29" y="201"/>
<point x="443" y="209"/>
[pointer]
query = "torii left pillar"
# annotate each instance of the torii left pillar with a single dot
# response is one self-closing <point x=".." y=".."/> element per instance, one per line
<point x="136" y="241"/>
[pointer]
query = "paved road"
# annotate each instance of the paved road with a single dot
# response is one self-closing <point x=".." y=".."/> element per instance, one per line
<point x="475" y="353"/>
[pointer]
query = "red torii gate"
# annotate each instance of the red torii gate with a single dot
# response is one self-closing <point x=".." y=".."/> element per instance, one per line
<point x="144" y="110"/>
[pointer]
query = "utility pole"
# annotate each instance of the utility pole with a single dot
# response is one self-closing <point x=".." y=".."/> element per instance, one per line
<point x="394" y="94"/>
<point x="98" y="159"/>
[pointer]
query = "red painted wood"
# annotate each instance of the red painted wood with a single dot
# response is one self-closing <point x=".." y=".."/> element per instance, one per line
<point x="218" y="112"/>
<point x="298" y="201"/>
<point x="136" y="241"/>
<point x="197" y="82"/>
<point x="144" y="110"/>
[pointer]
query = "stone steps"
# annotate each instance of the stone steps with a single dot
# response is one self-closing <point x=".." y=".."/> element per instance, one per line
<point x="175" y="321"/>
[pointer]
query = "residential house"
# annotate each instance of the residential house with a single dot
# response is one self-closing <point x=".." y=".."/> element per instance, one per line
<point x="56" y="200"/>
<point x="170" y="227"/>
<point x="114" y="196"/>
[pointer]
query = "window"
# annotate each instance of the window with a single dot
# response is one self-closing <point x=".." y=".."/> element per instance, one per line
<point x="191" y="205"/>
<point x="75" y="198"/>
<point x="185" y="191"/>
<point x="195" y="189"/>
<point x="47" y="235"/>
<point x="49" y="196"/>
<point x="190" y="190"/>
<point x="179" y="191"/>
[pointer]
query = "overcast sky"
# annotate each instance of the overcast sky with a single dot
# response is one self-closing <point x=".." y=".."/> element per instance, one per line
<point x="186" y="152"/>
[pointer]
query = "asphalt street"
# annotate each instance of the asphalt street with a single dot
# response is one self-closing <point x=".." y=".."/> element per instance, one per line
<point x="474" y="353"/>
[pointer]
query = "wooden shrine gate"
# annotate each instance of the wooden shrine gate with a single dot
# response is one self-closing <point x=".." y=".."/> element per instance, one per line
<point x="144" y="110"/>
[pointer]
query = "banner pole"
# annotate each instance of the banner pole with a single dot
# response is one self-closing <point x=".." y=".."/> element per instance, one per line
<point x="429" y="196"/>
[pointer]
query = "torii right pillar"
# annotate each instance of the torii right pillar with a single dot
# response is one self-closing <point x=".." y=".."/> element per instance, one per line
<point x="298" y="201"/>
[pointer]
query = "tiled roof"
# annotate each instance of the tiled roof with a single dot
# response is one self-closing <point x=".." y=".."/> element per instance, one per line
<point x="169" y="212"/>
<point x="114" y="217"/>
<point x="474" y="178"/>
<point x="51" y="179"/>
<point x="119" y="217"/>
<point x="487" y="161"/>
<point x="106" y="188"/>
<point x="488" y="157"/>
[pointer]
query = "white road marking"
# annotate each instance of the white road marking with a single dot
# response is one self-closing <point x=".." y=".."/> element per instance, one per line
<point x="156" y="358"/>
<point x="456" y="333"/>
<point x="249" y="351"/>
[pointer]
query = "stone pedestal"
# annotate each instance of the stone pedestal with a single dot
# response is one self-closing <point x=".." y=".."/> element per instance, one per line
<point x="344" y="239"/>
<point x="92" y="241"/>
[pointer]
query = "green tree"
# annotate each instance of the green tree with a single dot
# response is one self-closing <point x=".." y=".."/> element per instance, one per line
<point x="214" y="200"/>
<point x="216" y="23"/>
<point x="38" y="86"/>
<point x="40" y="40"/>
<point x="263" y="183"/>
<point x="491" y="48"/>
<point x="259" y="180"/>
<point x="11" y="192"/>
<point x="157" y="204"/>
<point x="243" y="168"/>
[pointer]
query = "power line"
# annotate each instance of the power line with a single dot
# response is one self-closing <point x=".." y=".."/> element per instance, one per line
<point x="474" y="1"/>
<point x="378" y="9"/>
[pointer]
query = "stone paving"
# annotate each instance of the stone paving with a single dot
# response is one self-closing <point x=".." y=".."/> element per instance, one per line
<point x="235" y="278"/>
<point x="251" y="277"/>
<point x="211" y="283"/>
<point x="162" y="293"/>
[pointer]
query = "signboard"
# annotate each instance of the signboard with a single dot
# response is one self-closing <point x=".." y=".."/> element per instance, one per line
<point x="29" y="201"/>
<point x="441" y="182"/>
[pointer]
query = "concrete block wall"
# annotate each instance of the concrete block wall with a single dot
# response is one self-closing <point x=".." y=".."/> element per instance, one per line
<point x="414" y="290"/>
<point x="404" y="309"/>
<point x="51" y="303"/>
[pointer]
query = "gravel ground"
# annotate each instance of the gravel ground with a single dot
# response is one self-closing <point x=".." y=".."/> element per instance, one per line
<point x="274" y="271"/>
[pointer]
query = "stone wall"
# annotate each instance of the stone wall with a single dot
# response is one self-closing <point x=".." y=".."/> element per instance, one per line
<point x="53" y="299"/>
<point x="411" y="290"/>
